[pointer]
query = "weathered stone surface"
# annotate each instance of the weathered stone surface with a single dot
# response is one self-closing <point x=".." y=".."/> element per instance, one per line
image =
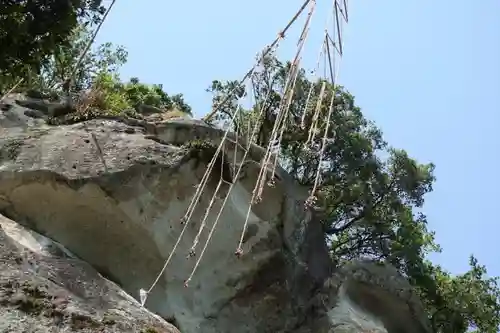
<point x="113" y="191"/>
<point x="44" y="288"/>
<point x="379" y="290"/>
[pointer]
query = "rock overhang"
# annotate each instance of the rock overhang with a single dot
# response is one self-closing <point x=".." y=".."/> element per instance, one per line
<point x="114" y="189"/>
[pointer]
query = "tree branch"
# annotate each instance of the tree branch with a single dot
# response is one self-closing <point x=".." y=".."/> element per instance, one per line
<point x="362" y="215"/>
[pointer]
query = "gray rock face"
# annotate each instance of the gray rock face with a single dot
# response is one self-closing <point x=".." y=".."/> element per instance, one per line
<point x="43" y="288"/>
<point x="114" y="192"/>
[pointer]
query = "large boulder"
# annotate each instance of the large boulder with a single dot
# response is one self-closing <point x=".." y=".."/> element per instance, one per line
<point x="44" y="288"/>
<point x="114" y="192"/>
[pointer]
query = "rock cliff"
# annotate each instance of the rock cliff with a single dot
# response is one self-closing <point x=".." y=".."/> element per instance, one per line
<point x="114" y="191"/>
<point x="44" y="288"/>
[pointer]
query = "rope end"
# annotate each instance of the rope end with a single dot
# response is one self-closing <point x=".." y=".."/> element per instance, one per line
<point x="191" y="254"/>
<point x="238" y="253"/>
<point x="143" y="296"/>
<point x="257" y="200"/>
<point x="310" y="202"/>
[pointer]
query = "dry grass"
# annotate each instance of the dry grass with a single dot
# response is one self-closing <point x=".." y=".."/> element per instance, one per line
<point x="94" y="98"/>
<point x="171" y="114"/>
<point x="174" y="113"/>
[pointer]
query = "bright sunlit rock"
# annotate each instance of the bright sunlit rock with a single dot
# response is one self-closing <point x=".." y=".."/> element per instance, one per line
<point x="347" y="317"/>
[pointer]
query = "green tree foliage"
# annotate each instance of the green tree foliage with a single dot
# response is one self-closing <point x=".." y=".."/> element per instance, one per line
<point x="99" y="69"/>
<point x="118" y="96"/>
<point x="96" y="75"/>
<point x="370" y="195"/>
<point x="31" y="30"/>
<point x="65" y="61"/>
<point x="464" y="303"/>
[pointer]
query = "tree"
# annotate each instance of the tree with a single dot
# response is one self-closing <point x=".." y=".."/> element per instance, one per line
<point x="65" y="59"/>
<point x="369" y="206"/>
<point x="96" y="77"/>
<point x="31" y="30"/>
<point x="118" y="96"/>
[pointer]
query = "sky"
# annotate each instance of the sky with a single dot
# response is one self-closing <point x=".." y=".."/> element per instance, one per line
<point x="427" y="72"/>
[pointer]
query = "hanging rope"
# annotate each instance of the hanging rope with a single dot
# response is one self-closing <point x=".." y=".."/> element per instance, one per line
<point x="277" y="146"/>
<point x="267" y="50"/>
<point x="311" y="200"/>
<point x="192" y="251"/>
<point x="273" y="142"/>
<point x="236" y="177"/>
<point x="314" y="124"/>
<point x="282" y="113"/>
<point x="311" y="88"/>
<point x="185" y="220"/>
<point x="272" y="148"/>
<point x="200" y="187"/>
<point x="323" y="50"/>
<point x="69" y="80"/>
<point x="301" y="43"/>
<point x="67" y="83"/>
<point x="11" y="89"/>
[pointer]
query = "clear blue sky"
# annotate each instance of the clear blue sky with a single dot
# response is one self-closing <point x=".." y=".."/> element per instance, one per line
<point x="427" y="71"/>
